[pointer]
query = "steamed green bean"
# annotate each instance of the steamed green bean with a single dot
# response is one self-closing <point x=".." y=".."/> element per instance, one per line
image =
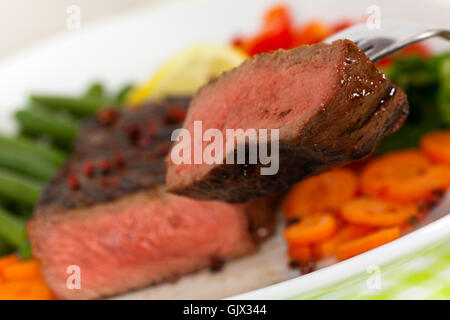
<point x="42" y="122"/>
<point x="83" y="106"/>
<point x="12" y="229"/>
<point x="34" y="148"/>
<point x="26" y="163"/>
<point x="18" y="188"/>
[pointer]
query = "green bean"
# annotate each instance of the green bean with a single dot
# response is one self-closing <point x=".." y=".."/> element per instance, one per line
<point x="122" y="94"/>
<point x="21" y="210"/>
<point x="42" y="122"/>
<point x="12" y="229"/>
<point x="84" y="106"/>
<point x="95" y="91"/>
<point x="20" y="189"/>
<point x="32" y="147"/>
<point x="25" y="250"/>
<point x="27" y="163"/>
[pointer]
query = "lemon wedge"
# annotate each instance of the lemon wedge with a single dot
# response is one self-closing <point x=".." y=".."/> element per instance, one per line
<point x="187" y="71"/>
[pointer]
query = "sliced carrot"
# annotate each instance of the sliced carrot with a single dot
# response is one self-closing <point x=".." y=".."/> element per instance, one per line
<point x="25" y="290"/>
<point x="311" y="229"/>
<point x="300" y="253"/>
<point x="325" y="192"/>
<point x="366" y="243"/>
<point x="436" y="146"/>
<point x="23" y="270"/>
<point x="7" y="260"/>
<point x="373" y="212"/>
<point x="347" y="233"/>
<point x="404" y="176"/>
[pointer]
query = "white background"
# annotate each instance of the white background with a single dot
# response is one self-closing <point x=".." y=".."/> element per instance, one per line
<point x="23" y="22"/>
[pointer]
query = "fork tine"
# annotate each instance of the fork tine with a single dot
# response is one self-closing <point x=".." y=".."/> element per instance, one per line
<point x="391" y="37"/>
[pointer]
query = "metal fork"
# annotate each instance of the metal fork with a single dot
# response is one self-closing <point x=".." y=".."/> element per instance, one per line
<point x="389" y="38"/>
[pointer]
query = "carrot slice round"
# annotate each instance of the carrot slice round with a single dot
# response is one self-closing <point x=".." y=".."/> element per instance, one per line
<point x="25" y="290"/>
<point x="375" y="212"/>
<point x="369" y="242"/>
<point x="404" y="176"/>
<point x="325" y="192"/>
<point x="8" y="260"/>
<point x="23" y="270"/>
<point x="347" y="233"/>
<point x="311" y="229"/>
<point x="436" y="146"/>
<point x="300" y="253"/>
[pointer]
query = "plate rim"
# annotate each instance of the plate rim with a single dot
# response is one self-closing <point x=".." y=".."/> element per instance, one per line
<point x="407" y="244"/>
<point x="432" y="234"/>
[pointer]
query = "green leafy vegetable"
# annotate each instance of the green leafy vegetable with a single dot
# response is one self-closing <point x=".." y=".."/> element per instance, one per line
<point x="427" y="84"/>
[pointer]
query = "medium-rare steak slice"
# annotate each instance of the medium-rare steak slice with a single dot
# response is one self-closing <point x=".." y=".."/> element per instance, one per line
<point x="107" y="213"/>
<point x="329" y="102"/>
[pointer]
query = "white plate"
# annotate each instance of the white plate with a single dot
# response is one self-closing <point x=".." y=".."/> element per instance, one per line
<point x="132" y="45"/>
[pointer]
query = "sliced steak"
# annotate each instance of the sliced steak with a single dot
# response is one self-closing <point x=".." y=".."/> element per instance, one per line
<point x="106" y="211"/>
<point x="329" y="102"/>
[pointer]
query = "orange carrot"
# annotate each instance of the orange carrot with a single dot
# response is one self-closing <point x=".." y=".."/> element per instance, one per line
<point x="347" y="233"/>
<point x="375" y="212"/>
<point x="404" y="176"/>
<point x="23" y="270"/>
<point x="300" y="253"/>
<point x="366" y="243"/>
<point x="22" y="280"/>
<point x="311" y="229"/>
<point x="436" y="146"/>
<point x="325" y="192"/>
<point x="7" y="260"/>
<point x="25" y="290"/>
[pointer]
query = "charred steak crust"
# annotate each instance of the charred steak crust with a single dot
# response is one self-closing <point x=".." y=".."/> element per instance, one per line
<point x="116" y="157"/>
<point x="348" y="126"/>
<point x="107" y="211"/>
